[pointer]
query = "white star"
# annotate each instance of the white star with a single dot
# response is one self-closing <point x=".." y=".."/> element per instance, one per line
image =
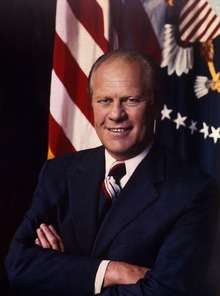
<point x="205" y="130"/>
<point x="165" y="112"/>
<point x="180" y="120"/>
<point x="215" y="134"/>
<point x="193" y="127"/>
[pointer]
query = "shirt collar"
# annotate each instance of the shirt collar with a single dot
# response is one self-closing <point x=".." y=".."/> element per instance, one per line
<point x="130" y="164"/>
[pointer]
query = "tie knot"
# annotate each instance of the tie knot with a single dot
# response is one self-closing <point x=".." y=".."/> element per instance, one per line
<point x="118" y="171"/>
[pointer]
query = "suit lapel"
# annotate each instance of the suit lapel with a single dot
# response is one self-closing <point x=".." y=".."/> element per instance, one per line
<point x="139" y="193"/>
<point x="84" y="184"/>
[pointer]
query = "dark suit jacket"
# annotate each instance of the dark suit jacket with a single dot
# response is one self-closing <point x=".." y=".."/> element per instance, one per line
<point x="162" y="220"/>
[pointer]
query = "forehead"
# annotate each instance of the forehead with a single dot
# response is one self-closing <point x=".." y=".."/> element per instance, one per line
<point x="117" y="72"/>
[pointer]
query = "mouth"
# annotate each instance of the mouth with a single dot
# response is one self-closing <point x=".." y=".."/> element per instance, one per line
<point x="119" y="130"/>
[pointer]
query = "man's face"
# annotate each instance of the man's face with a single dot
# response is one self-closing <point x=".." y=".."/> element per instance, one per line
<point x="123" y="111"/>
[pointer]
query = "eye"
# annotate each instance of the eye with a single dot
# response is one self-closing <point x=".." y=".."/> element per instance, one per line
<point x="104" y="101"/>
<point x="133" y="100"/>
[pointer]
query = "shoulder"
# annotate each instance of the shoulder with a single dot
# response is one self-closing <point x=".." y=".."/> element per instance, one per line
<point x="62" y="165"/>
<point x="66" y="161"/>
<point x="178" y="168"/>
<point x="56" y="173"/>
<point x="186" y="178"/>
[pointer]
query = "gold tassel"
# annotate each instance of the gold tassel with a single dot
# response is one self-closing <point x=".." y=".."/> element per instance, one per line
<point x="208" y="52"/>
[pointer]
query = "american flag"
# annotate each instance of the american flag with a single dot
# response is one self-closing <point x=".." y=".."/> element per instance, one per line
<point x="198" y="22"/>
<point x="84" y="31"/>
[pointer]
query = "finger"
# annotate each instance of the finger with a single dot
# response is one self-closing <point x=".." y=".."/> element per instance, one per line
<point x="58" y="237"/>
<point x="51" y="238"/>
<point x="42" y="239"/>
<point x="145" y="270"/>
<point x="53" y="230"/>
<point x="37" y="242"/>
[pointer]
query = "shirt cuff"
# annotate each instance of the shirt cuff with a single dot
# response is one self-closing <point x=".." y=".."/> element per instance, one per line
<point x="99" y="278"/>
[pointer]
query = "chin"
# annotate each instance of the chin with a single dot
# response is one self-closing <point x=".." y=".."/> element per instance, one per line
<point x="121" y="154"/>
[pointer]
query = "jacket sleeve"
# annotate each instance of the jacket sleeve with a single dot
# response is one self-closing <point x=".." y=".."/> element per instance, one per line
<point x="33" y="270"/>
<point x="182" y="262"/>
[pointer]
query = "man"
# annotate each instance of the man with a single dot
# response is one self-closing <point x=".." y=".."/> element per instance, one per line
<point x="123" y="219"/>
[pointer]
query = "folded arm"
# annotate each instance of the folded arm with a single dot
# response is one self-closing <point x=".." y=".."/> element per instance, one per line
<point x="36" y="270"/>
<point x="117" y="273"/>
<point x="182" y="262"/>
<point x="180" y="265"/>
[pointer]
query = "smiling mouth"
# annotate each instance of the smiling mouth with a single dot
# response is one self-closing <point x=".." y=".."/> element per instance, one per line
<point x="119" y="130"/>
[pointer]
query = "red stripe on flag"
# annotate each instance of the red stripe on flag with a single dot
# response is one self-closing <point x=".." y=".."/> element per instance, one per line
<point x="58" y="142"/>
<point x="188" y="10"/>
<point x="196" y="28"/>
<point x="205" y="29"/>
<point x="212" y="35"/>
<point x="191" y="21"/>
<point x="90" y="15"/>
<point x="72" y="77"/>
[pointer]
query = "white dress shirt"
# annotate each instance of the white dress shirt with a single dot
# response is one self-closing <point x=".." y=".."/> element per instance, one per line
<point x="131" y="165"/>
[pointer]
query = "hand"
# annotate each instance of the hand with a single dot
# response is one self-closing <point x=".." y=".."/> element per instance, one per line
<point x="48" y="238"/>
<point x="122" y="273"/>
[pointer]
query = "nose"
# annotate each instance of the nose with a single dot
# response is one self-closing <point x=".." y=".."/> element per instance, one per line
<point x="117" y="112"/>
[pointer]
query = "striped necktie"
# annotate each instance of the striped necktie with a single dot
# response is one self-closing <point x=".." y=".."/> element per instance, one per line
<point x="111" y="185"/>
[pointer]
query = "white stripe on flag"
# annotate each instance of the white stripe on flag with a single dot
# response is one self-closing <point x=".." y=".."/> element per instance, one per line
<point x="75" y="125"/>
<point x="210" y="30"/>
<point x="192" y="14"/>
<point x="199" y="4"/>
<point x="80" y="43"/>
<point x="192" y="19"/>
<point x="200" y="30"/>
<point x="104" y="4"/>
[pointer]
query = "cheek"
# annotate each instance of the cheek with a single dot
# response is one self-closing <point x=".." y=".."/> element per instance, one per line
<point x="96" y="115"/>
<point x="139" y="119"/>
<point x="143" y="123"/>
<point x="99" y="117"/>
